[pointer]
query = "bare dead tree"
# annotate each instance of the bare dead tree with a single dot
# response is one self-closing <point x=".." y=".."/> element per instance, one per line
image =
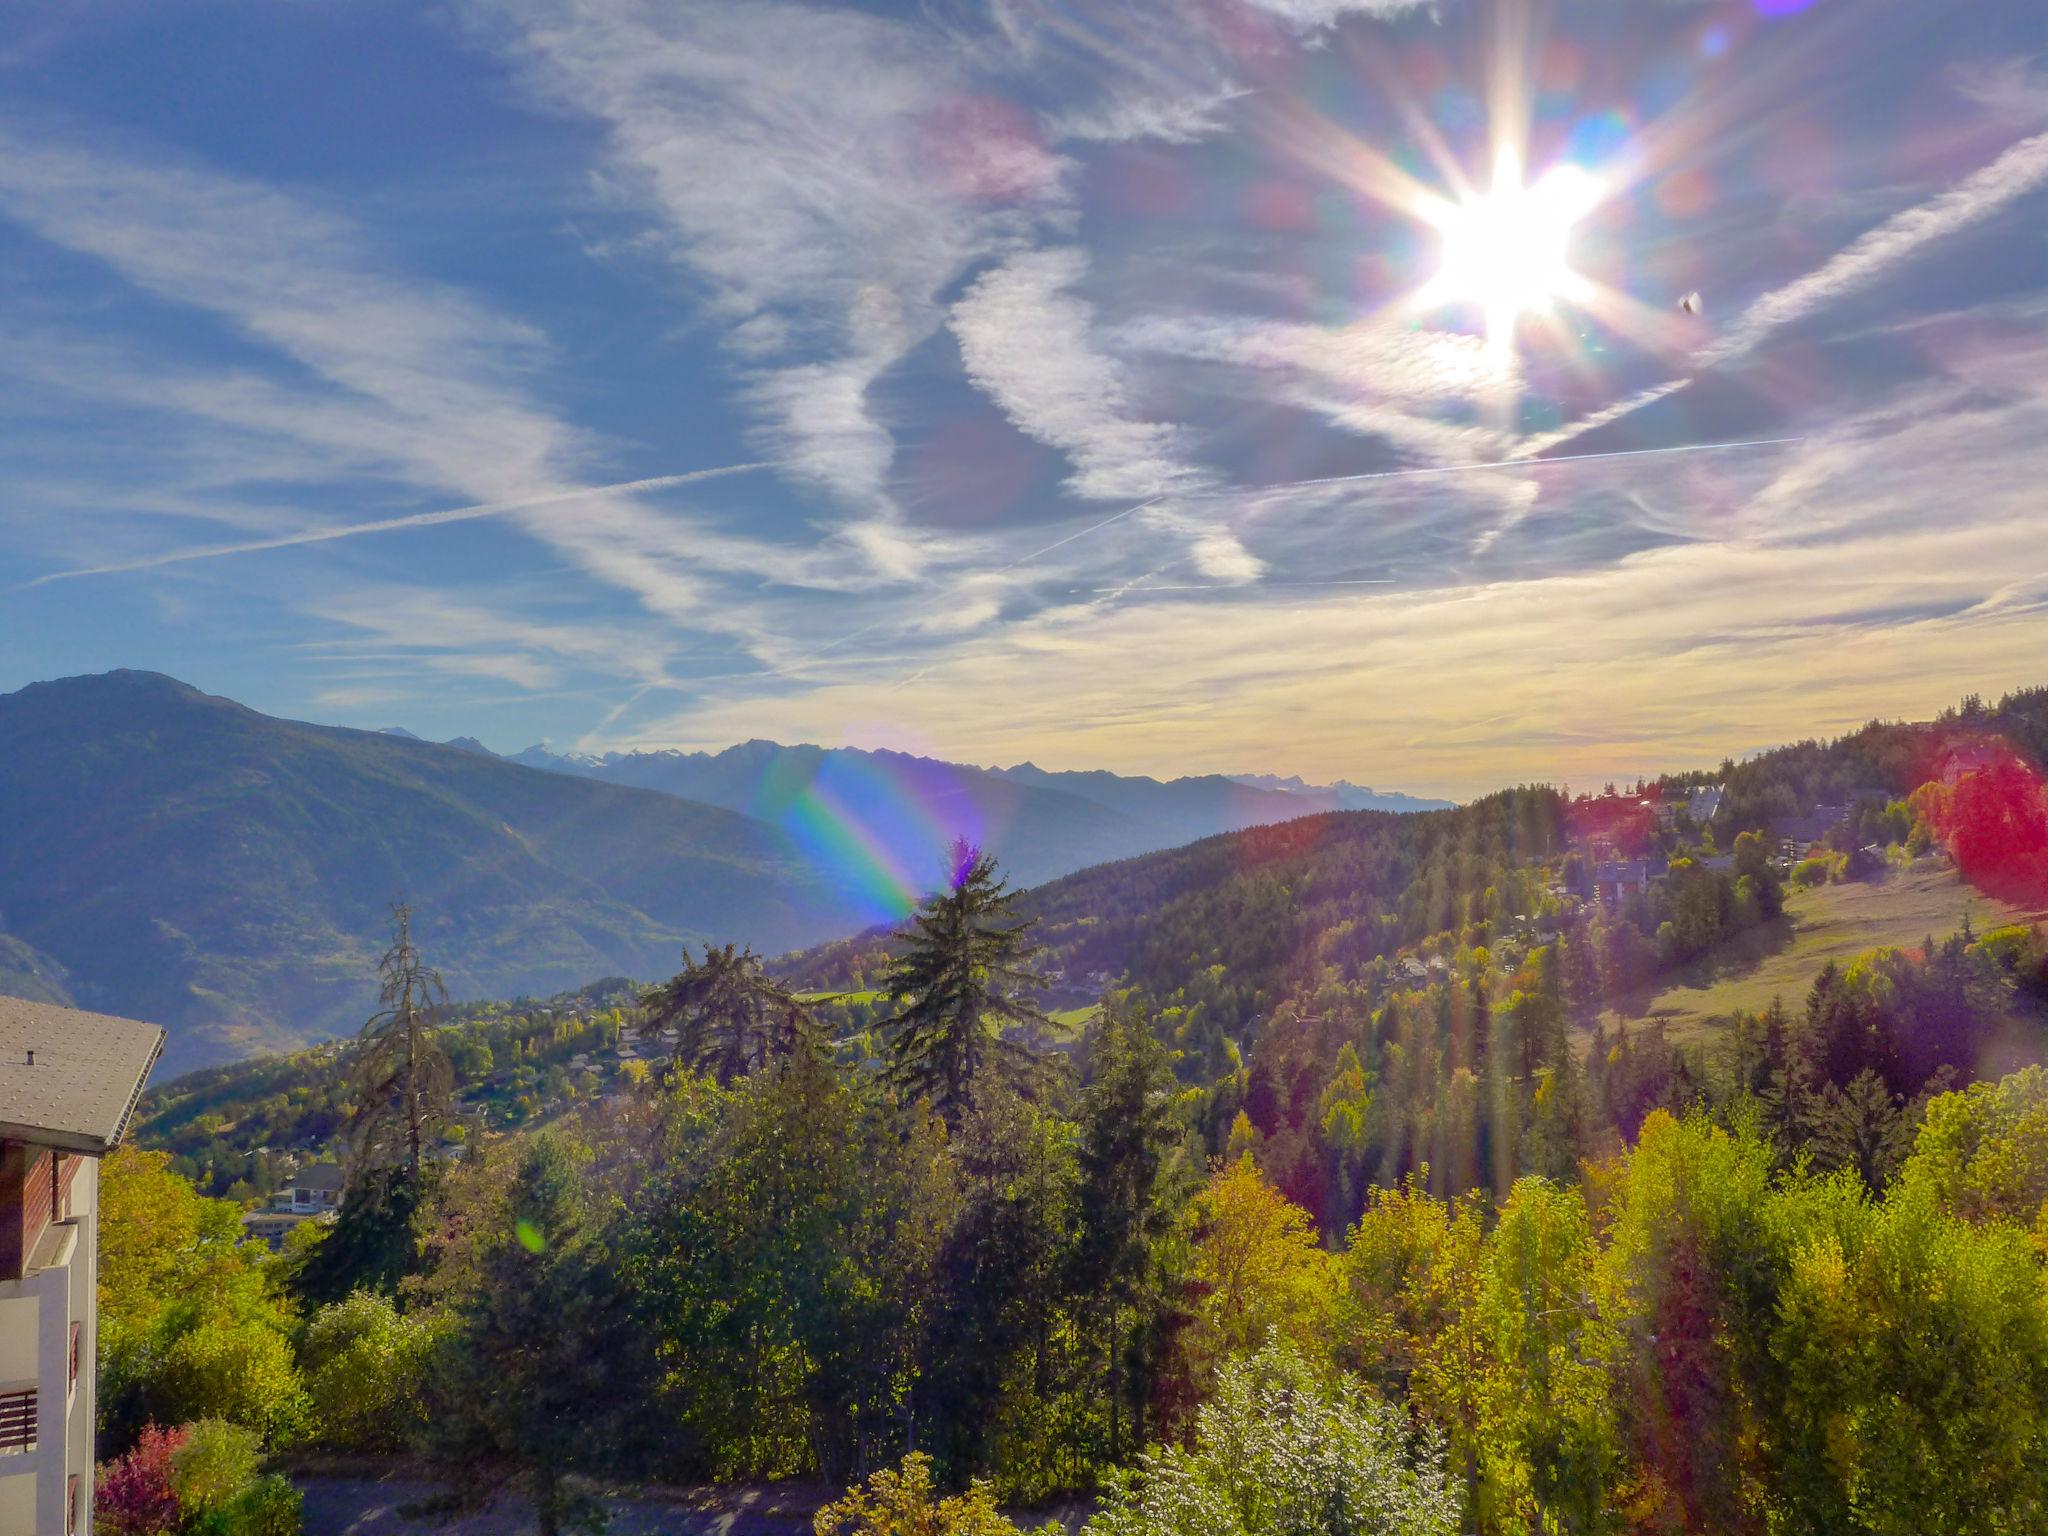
<point x="404" y="1083"/>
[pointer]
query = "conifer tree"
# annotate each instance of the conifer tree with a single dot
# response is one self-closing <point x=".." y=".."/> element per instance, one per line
<point x="1133" y="1182"/>
<point x="729" y="1015"/>
<point x="404" y="1083"/>
<point x="962" y="976"/>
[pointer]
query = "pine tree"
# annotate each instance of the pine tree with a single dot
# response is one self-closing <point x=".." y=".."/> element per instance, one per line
<point x="1132" y="1178"/>
<point x="729" y="1016"/>
<point x="961" y="977"/>
<point x="404" y="1084"/>
<point x="544" y="1352"/>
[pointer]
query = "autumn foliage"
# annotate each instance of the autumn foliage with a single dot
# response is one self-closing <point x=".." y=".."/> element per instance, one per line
<point x="1995" y="824"/>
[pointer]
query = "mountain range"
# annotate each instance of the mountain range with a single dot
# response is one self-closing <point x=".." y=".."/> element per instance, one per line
<point x="1040" y="824"/>
<point x="178" y="857"/>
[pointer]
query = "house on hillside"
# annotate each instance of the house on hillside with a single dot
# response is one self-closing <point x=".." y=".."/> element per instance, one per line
<point x="1615" y="880"/>
<point x="68" y="1085"/>
<point x="1704" y="804"/>
<point x="1971" y="757"/>
<point x="314" y="1194"/>
<point x="1799" y="833"/>
<point x="315" y="1189"/>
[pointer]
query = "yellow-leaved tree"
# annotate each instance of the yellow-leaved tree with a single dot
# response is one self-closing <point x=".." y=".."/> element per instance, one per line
<point x="1259" y="1267"/>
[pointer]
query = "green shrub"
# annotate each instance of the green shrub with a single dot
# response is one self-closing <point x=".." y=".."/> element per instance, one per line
<point x="267" y="1507"/>
<point x="364" y="1363"/>
<point x="238" y="1371"/>
<point x="1282" y="1450"/>
<point x="1817" y="870"/>
<point x="213" y="1466"/>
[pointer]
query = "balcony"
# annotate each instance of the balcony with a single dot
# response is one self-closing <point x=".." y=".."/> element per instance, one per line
<point x="17" y="1420"/>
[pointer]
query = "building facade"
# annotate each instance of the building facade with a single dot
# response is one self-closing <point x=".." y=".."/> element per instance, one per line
<point x="68" y="1085"/>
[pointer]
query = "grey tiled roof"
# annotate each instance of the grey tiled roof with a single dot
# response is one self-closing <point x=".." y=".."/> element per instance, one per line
<point x="88" y="1071"/>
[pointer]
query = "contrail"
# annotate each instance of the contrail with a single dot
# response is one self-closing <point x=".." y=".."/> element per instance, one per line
<point x="1239" y="586"/>
<point x="1083" y="533"/>
<point x="1522" y="463"/>
<point x="2020" y="170"/>
<point x="393" y="524"/>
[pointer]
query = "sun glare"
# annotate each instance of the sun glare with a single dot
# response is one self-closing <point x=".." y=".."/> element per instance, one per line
<point x="1508" y="250"/>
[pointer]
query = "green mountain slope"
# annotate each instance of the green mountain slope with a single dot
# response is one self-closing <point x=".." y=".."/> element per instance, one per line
<point x="196" y="863"/>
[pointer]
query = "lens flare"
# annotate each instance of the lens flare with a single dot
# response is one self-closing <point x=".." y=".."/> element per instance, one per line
<point x="1508" y="250"/>
<point x="878" y="830"/>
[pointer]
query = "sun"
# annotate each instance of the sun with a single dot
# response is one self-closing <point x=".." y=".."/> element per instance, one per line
<point x="1508" y="250"/>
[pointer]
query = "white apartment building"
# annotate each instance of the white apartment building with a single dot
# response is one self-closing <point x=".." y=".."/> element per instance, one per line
<point x="68" y="1084"/>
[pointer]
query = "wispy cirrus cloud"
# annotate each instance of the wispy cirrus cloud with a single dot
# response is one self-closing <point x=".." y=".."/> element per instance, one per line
<point x="2022" y="169"/>
<point x="1026" y="339"/>
<point x="822" y="175"/>
<point x="374" y="376"/>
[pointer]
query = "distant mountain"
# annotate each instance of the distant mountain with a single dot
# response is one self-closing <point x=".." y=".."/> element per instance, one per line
<point x="179" y="858"/>
<point x="1041" y="825"/>
<point x="1204" y="806"/>
<point x="1340" y="796"/>
<point x="26" y="971"/>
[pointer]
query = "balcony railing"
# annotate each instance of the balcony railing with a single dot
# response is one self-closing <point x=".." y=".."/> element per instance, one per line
<point x="18" y="1420"/>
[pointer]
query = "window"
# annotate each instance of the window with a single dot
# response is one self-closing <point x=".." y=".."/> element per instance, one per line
<point x="71" y="1504"/>
<point x="18" y="1420"/>
<point x="75" y="1327"/>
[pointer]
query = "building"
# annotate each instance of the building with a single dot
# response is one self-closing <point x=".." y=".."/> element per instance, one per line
<point x="1798" y="833"/>
<point x="314" y="1194"/>
<point x="1971" y="757"/>
<point x="315" y="1190"/>
<point x="68" y="1085"/>
<point x="1618" y="879"/>
<point x="1704" y="804"/>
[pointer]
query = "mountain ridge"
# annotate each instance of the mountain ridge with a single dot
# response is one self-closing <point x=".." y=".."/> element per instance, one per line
<point x="189" y="860"/>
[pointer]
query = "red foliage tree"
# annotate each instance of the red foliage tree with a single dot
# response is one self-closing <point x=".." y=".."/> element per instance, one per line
<point x="135" y="1496"/>
<point x="1995" y="823"/>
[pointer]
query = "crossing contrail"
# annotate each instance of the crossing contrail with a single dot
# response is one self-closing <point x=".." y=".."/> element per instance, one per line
<point x="394" y="524"/>
<point x="1522" y="463"/>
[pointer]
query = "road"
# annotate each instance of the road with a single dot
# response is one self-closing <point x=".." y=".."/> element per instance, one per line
<point x="401" y="1505"/>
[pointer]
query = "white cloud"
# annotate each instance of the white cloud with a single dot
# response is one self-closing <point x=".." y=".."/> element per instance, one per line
<point x="1308" y="15"/>
<point x="1221" y="555"/>
<point x="384" y="377"/>
<point x="824" y="174"/>
<point x="1026" y="339"/>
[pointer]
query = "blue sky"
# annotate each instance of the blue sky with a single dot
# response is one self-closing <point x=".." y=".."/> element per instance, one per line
<point x="984" y="380"/>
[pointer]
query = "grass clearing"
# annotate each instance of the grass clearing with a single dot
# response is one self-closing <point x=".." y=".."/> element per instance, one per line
<point x="1069" y="1022"/>
<point x="1828" y="922"/>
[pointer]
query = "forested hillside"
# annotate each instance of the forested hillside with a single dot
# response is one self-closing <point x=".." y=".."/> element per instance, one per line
<point x="180" y="858"/>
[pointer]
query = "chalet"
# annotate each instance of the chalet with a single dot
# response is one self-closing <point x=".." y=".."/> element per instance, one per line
<point x="68" y="1086"/>
<point x="1971" y="757"/>
<point x="1615" y="880"/>
<point x="314" y="1190"/>
<point x="314" y="1194"/>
